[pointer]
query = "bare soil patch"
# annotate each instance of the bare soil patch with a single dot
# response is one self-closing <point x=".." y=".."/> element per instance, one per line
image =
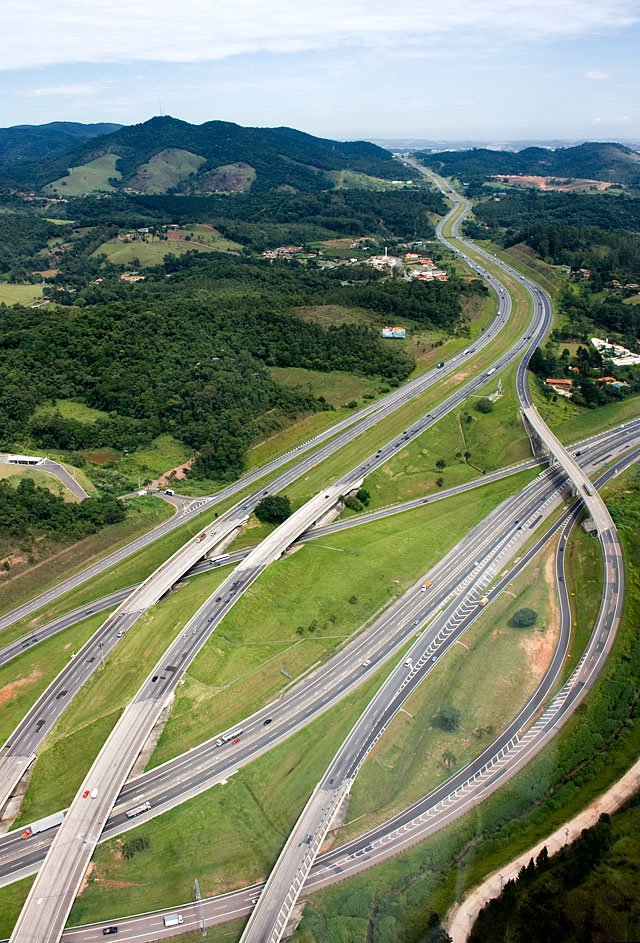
<point x="11" y="690"/>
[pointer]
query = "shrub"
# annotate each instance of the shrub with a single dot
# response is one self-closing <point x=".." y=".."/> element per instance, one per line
<point x="484" y="405"/>
<point x="523" y="618"/>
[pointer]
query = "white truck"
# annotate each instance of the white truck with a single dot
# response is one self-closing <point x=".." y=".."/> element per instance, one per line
<point x="51" y="821"/>
<point x="173" y="920"/>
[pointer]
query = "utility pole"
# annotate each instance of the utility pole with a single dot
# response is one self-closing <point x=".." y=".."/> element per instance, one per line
<point x="102" y="655"/>
<point x="199" y="908"/>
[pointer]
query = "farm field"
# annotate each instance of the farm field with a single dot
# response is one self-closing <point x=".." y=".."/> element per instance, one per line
<point x="87" y="178"/>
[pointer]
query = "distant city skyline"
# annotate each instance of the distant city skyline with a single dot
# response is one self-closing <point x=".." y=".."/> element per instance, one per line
<point x="494" y="71"/>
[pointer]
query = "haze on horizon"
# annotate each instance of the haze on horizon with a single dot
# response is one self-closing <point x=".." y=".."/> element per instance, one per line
<point x="494" y="70"/>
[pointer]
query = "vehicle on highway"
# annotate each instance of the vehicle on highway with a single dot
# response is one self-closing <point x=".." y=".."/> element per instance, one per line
<point x="139" y="809"/>
<point x="236" y="740"/>
<point x="440" y="365"/>
<point x="408" y="663"/>
<point x="200" y="538"/>
<point x="229" y="736"/>
<point x="265" y="723"/>
<point x="85" y="794"/>
<point x="366" y="663"/>
<point x="109" y="931"/>
<point x="41" y="825"/>
<point x="492" y="370"/>
<point x="94" y="792"/>
<point x="169" y="491"/>
<point x="173" y="920"/>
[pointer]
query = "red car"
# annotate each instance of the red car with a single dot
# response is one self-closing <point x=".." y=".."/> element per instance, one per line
<point x="85" y="794"/>
<point x="236" y="740"/>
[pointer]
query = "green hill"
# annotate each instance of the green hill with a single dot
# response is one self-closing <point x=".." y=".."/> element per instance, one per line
<point x="593" y="161"/>
<point x="166" y="154"/>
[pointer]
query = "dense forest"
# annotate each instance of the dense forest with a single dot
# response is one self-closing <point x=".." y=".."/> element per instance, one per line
<point x="28" y="510"/>
<point x="589" y="891"/>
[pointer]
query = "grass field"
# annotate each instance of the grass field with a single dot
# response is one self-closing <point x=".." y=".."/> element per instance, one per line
<point x="337" y="387"/>
<point x="71" y="409"/>
<point x="417" y="752"/>
<point x="76" y="739"/>
<point x="164" y="453"/>
<point x="200" y="238"/>
<point x="19" y="294"/>
<point x="87" y="178"/>
<point x="165" y="170"/>
<point x="350" y="179"/>
<point x="340" y="581"/>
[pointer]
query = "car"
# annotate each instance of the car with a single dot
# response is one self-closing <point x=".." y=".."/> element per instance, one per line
<point x="154" y="679"/>
<point x="408" y="663"/>
<point x="244" y="507"/>
<point x="416" y="621"/>
<point x="108" y="931"/>
<point x="561" y="578"/>
<point x="366" y="663"/>
<point x="423" y="589"/>
<point x="86" y="793"/>
<point x="433" y="658"/>
<point x="94" y="792"/>
<point x="218" y="598"/>
<point x="265" y="723"/>
<point x="236" y="740"/>
<point x="169" y="491"/>
<point x="265" y="492"/>
<point x="119" y="633"/>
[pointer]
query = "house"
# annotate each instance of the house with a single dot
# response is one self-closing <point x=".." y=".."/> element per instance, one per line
<point x="560" y="384"/>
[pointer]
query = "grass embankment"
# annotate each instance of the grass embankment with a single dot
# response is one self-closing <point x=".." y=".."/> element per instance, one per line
<point x="274" y="634"/>
<point x="418" y="751"/>
<point x="19" y="294"/>
<point x="76" y="739"/>
<point x="144" y="514"/>
<point x="592" y="751"/>
<point x="23" y="680"/>
<point x="336" y="386"/>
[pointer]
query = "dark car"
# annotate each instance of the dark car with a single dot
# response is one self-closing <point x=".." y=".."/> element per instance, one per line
<point x="108" y="931"/>
<point x="265" y="723"/>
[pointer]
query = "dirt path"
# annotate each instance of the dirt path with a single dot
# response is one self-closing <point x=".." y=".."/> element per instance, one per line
<point x="461" y="917"/>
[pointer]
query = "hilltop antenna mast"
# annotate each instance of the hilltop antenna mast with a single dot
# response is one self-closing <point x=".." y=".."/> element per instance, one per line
<point x="161" y="111"/>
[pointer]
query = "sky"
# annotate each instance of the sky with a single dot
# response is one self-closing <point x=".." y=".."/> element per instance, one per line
<point x="487" y="70"/>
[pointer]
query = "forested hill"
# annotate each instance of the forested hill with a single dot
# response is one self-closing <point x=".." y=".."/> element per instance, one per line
<point x="30" y="142"/>
<point x="592" y="161"/>
<point x="167" y="155"/>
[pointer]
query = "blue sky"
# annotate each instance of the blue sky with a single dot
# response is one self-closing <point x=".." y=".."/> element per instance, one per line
<point x="479" y="69"/>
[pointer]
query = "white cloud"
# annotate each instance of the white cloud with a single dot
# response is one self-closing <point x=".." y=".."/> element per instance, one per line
<point x="596" y="74"/>
<point x="68" y="90"/>
<point x="612" y="122"/>
<point x="38" y="32"/>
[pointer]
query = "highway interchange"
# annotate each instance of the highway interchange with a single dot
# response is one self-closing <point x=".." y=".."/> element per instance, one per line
<point x="181" y="653"/>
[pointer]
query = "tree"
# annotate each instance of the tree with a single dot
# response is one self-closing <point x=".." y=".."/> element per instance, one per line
<point x="363" y="495"/>
<point x="484" y="405"/>
<point x="274" y="509"/>
<point x="441" y="463"/>
<point x="524" y="618"/>
<point x="449" y="717"/>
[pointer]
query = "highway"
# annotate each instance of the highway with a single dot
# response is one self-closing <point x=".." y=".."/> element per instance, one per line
<point x="28" y="641"/>
<point x="453" y="798"/>
<point x="274" y="906"/>
<point x="202" y="767"/>
<point x="54" y="889"/>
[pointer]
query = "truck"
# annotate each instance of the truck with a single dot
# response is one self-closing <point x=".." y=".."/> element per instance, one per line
<point x="173" y="920"/>
<point x="484" y="601"/>
<point x="139" y="809"/>
<point x="492" y="370"/>
<point x="51" y="821"/>
<point x="200" y="538"/>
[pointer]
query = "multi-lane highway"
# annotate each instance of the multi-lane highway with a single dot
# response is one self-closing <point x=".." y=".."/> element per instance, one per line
<point x="201" y="768"/>
<point x="53" y="892"/>
<point x="270" y="916"/>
